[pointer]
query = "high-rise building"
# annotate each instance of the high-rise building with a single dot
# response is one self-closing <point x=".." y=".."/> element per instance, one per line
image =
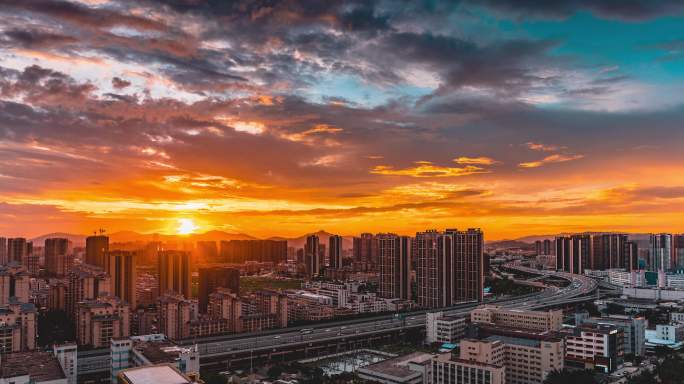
<point x="660" y="252"/>
<point x="174" y="316"/>
<point x="365" y="249"/>
<point x="206" y="251"/>
<point x="240" y="251"/>
<point x="394" y="265"/>
<point x="18" y="331"/>
<point x="312" y="256"/>
<point x="121" y="267"/>
<point x="573" y="254"/>
<point x="450" y="267"/>
<point x="96" y="249"/>
<point x="335" y="251"/>
<point x="3" y="251"/>
<point x="226" y="305"/>
<point x="18" y="250"/>
<point x="59" y="256"/>
<point x="217" y="277"/>
<point x="174" y="273"/>
<point x="14" y="284"/>
<point x="678" y="250"/>
<point x="631" y="256"/>
<point x="100" y="320"/>
<point x="608" y="251"/>
<point x="85" y="282"/>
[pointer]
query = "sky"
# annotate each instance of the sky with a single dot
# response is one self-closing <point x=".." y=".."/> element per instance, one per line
<point x="278" y="118"/>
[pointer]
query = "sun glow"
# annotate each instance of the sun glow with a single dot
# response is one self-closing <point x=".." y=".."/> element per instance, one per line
<point x="186" y="226"/>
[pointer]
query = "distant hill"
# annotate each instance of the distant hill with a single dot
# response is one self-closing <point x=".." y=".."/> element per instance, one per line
<point x="510" y="244"/>
<point x="298" y="242"/>
<point x="76" y="240"/>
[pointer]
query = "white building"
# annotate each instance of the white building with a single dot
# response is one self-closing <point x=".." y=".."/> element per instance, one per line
<point x="67" y="355"/>
<point x="443" y="329"/>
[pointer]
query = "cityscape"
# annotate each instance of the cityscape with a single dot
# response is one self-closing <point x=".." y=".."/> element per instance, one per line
<point x="341" y="192"/>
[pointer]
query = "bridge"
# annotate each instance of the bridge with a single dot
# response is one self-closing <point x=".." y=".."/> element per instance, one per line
<point x="222" y="352"/>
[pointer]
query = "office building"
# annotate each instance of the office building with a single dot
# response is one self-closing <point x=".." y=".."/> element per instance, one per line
<point x="450" y="267"/>
<point x="217" y="277"/>
<point x="59" y="256"/>
<point x="573" y="253"/>
<point x="608" y="251"/>
<point x="96" y="249"/>
<point x="527" y="359"/>
<point x="122" y="269"/>
<point x="335" y="251"/>
<point x="262" y="251"/>
<point x="541" y="321"/>
<point x="394" y="266"/>
<point x="660" y="252"/>
<point x="312" y="256"/>
<point x="100" y="320"/>
<point x="633" y="330"/>
<point x="175" y="314"/>
<point x="174" y="273"/>
<point x="440" y="328"/>
<point x="596" y="347"/>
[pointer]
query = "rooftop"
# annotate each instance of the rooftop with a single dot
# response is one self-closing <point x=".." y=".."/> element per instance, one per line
<point x="398" y="366"/>
<point x="158" y="352"/>
<point x="515" y="340"/>
<point x="40" y="366"/>
<point x="155" y="374"/>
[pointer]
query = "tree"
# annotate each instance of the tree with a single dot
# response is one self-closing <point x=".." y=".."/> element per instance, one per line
<point x="567" y="376"/>
<point x="670" y="370"/>
<point x="275" y="371"/>
<point x="645" y="377"/>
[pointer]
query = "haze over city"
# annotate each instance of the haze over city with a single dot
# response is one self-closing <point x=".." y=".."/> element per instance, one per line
<point x="287" y="117"/>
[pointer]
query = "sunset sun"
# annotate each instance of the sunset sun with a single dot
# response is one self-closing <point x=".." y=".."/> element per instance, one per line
<point x="186" y="226"/>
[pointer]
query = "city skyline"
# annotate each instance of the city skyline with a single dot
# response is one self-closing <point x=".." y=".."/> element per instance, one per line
<point x="282" y="118"/>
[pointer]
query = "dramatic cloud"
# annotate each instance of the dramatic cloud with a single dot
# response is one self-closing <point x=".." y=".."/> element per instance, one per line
<point x="282" y="117"/>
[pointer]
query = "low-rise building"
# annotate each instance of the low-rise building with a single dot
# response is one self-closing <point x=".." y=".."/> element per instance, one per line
<point x="150" y="350"/>
<point x="598" y="346"/>
<point x="35" y="367"/>
<point x="407" y="369"/>
<point x="633" y="329"/>
<point x="155" y="374"/>
<point x="446" y="369"/>
<point x="551" y="320"/>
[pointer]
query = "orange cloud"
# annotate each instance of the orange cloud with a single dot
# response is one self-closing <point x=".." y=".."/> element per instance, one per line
<point x="428" y="169"/>
<point x="476" y="160"/>
<point x="543" y="147"/>
<point x="557" y="158"/>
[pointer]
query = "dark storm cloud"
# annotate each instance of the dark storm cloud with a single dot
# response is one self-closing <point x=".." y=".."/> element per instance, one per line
<point x="622" y="9"/>
<point x="36" y="39"/>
